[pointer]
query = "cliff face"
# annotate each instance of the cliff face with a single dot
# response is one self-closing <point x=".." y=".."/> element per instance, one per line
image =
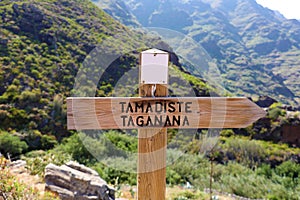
<point x="257" y="49"/>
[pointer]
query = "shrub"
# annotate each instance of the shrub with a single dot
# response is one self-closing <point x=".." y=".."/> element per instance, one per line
<point x="122" y="141"/>
<point x="114" y="176"/>
<point x="288" y="169"/>
<point x="249" y="153"/>
<point x="173" y="177"/>
<point x="191" y="168"/>
<point x="227" y="133"/>
<point x="265" y="170"/>
<point x="289" y="173"/>
<point x="28" y="97"/>
<point x="275" y="113"/>
<point x="33" y="139"/>
<point x="189" y="195"/>
<point x="48" y="142"/>
<point x="38" y="160"/>
<point x="11" y="144"/>
<point x="74" y="146"/>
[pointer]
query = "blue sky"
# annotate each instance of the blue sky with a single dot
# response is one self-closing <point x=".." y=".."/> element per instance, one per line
<point x="289" y="8"/>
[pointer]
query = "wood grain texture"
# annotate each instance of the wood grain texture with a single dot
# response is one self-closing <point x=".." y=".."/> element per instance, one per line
<point x="152" y="149"/>
<point x="152" y="153"/>
<point x="202" y="112"/>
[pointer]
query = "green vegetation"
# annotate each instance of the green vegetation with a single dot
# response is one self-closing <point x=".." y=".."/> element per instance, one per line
<point x="42" y="53"/>
<point x="186" y="195"/>
<point x="239" y="168"/>
<point x="257" y="52"/>
<point x="43" y="45"/>
<point x="275" y="112"/>
<point x="38" y="160"/>
<point x="12" y="145"/>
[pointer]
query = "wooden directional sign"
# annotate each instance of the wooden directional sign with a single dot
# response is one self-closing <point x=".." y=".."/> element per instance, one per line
<point x="168" y="112"/>
<point x="152" y="113"/>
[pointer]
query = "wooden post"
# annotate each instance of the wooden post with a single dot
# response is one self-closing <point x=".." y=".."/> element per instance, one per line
<point x="152" y="147"/>
<point x="152" y="151"/>
<point x="127" y="113"/>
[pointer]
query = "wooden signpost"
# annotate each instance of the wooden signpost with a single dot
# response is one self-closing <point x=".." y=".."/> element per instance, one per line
<point x="152" y="113"/>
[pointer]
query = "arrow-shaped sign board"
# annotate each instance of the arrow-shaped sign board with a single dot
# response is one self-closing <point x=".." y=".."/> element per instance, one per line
<point x="152" y="113"/>
<point x="169" y="112"/>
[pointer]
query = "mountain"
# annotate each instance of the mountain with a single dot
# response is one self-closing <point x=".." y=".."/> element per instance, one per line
<point x="256" y="49"/>
<point x="48" y="46"/>
<point x="43" y="44"/>
<point x="53" y="49"/>
<point x="118" y="10"/>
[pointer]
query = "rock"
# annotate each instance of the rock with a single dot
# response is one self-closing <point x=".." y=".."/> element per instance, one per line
<point x="265" y="101"/>
<point x="17" y="167"/>
<point x="17" y="164"/>
<point x="75" y="181"/>
<point x="290" y="132"/>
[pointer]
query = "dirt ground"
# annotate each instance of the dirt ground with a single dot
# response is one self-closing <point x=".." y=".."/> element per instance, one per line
<point x="24" y="176"/>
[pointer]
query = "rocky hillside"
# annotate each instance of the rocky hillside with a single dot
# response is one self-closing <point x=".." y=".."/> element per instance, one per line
<point x="119" y="11"/>
<point x="257" y="49"/>
<point x="43" y="44"/>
